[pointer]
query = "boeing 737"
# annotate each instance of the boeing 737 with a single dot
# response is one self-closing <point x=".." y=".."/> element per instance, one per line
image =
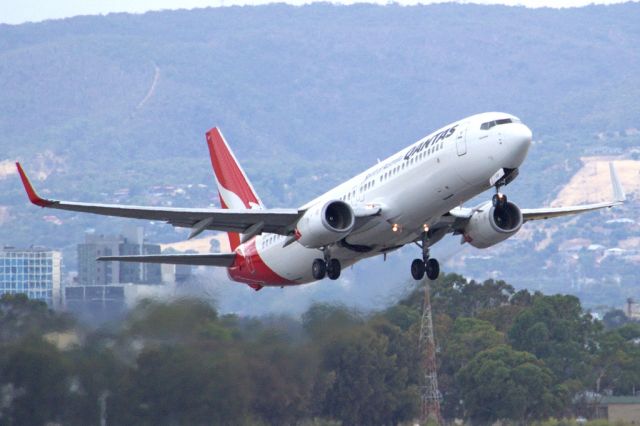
<point x="414" y="196"/>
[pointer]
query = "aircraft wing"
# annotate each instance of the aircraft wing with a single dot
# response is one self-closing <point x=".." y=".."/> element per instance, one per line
<point x="458" y="218"/>
<point x="277" y="221"/>
<point x="549" y="212"/>
<point x="212" y="259"/>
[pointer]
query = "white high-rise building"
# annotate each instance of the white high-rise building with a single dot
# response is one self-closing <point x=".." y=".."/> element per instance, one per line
<point x="34" y="272"/>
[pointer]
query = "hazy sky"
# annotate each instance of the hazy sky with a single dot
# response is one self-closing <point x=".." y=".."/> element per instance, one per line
<point x="19" y="11"/>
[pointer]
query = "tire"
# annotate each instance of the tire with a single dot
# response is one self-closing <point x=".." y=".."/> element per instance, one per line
<point x="417" y="269"/>
<point x="333" y="269"/>
<point x="318" y="269"/>
<point x="433" y="269"/>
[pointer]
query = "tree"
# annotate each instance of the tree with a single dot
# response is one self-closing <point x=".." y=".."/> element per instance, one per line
<point x="179" y="321"/>
<point x="454" y="295"/>
<point x="322" y="319"/>
<point x="369" y="385"/>
<point x="616" y="363"/>
<point x="615" y="318"/>
<point x="21" y="317"/>
<point x="282" y="379"/>
<point x="38" y="376"/>
<point x="501" y="383"/>
<point x="178" y="384"/>
<point x="556" y="330"/>
<point x="468" y="337"/>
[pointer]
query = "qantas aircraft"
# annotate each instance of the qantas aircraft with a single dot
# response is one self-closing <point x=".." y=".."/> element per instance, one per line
<point x="414" y="196"/>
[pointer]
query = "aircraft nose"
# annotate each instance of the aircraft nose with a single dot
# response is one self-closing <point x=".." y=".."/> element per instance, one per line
<point x="521" y="135"/>
<point x="519" y="140"/>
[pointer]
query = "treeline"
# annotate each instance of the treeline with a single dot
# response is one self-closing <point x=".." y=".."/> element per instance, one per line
<point x="502" y="354"/>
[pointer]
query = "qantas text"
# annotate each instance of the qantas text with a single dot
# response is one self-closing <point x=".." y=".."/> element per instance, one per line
<point x="431" y="140"/>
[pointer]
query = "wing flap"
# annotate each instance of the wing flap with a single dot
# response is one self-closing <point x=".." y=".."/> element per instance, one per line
<point x="211" y="259"/>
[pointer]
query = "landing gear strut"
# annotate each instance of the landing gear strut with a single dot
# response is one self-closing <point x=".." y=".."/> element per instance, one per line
<point x="425" y="265"/>
<point x="327" y="266"/>
<point x="499" y="199"/>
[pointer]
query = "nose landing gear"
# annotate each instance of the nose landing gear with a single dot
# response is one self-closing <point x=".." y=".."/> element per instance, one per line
<point x="499" y="199"/>
<point x="425" y="265"/>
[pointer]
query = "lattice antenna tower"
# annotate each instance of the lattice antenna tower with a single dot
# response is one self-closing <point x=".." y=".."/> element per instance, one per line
<point x="430" y="395"/>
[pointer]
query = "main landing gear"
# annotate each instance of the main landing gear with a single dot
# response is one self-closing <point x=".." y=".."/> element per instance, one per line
<point x="327" y="266"/>
<point x="425" y="265"/>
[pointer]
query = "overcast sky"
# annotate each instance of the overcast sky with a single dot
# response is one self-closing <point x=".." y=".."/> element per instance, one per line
<point x="19" y="11"/>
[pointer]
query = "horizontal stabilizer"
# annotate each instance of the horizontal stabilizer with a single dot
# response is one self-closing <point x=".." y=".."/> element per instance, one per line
<point x="212" y="259"/>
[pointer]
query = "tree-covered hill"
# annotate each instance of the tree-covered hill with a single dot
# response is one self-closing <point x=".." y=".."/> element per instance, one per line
<point x="115" y="108"/>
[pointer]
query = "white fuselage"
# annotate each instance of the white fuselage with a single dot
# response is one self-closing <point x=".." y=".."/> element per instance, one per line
<point x="414" y="188"/>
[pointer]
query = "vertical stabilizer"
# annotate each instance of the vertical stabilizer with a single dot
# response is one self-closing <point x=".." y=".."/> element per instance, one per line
<point x="234" y="188"/>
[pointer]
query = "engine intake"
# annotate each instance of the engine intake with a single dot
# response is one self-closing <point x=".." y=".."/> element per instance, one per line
<point x="491" y="225"/>
<point x="325" y="224"/>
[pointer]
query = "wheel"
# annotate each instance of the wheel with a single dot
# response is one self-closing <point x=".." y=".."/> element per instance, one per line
<point x="433" y="269"/>
<point x="318" y="269"/>
<point x="417" y="269"/>
<point x="333" y="269"/>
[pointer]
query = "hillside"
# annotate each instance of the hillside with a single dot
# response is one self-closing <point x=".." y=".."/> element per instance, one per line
<point x="592" y="183"/>
<point x="114" y="109"/>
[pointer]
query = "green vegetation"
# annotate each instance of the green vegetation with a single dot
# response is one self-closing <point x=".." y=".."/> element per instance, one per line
<point x="503" y="355"/>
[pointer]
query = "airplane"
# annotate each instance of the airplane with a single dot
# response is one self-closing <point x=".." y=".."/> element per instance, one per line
<point x="414" y="196"/>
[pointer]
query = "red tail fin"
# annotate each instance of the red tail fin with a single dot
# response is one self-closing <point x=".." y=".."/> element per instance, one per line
<point x="234" y="188"/>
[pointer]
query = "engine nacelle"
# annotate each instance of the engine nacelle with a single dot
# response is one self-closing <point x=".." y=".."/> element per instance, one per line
<point x="491" y="225"/>
<point x="324" y="224"/>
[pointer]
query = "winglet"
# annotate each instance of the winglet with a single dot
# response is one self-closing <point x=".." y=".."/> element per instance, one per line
<point x="618" y="192"/>
<point x="33" y="195"/>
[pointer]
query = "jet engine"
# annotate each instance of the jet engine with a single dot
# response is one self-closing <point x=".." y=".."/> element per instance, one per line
<point x="490" y="225"/>
<point x="324" y="224"/>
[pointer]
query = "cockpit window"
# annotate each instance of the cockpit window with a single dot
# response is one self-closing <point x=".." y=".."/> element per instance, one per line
<point x="490" y="124"/>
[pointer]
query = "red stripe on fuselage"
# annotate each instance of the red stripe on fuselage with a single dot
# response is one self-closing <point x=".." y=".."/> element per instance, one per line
<point x="250" y="268"/>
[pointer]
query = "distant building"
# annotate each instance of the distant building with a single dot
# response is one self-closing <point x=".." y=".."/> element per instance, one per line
<point x="92" y="272"/>
<point x="96" y="302"/>
<point x="34" y="272"/>
<point x="632" y="309"/>
<point x="619" y="409"/>
<point x="98" y="293"/>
